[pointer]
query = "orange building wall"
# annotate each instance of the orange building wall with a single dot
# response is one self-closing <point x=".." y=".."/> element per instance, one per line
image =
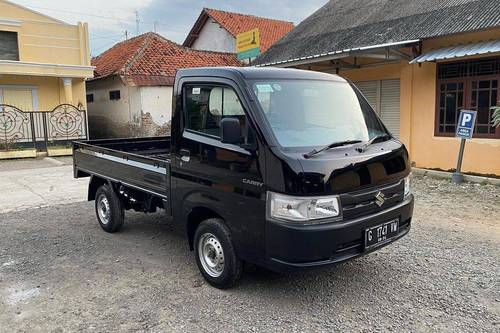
<point x="418" y="107"/>
<point x="429" y="151"/>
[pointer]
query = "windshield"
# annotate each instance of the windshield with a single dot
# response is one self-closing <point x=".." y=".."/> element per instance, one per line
<point x="305" y="113"/>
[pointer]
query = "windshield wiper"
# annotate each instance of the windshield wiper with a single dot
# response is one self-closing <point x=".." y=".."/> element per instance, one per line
<point x="330" y="146"/>
<point x="381" y="137"/>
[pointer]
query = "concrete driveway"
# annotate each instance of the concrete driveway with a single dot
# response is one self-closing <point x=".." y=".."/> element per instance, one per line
<point x="40" y="182"/>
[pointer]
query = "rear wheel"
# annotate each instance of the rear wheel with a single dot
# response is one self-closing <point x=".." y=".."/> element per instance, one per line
<point x="215" y="254"/>
<point x="109" y="210"/>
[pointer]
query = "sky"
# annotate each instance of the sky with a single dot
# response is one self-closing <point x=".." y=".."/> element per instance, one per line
<point x="109" y="19"/>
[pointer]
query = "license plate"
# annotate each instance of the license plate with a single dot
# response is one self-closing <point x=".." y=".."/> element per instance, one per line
<point x="380" y="234"/>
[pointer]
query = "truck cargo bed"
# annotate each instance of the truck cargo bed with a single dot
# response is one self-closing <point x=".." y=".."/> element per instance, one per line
<point x="142" y="163"/>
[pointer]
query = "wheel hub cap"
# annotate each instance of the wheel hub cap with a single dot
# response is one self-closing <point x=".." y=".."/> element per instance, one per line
<point x="103" y="209"/>
<point x="211" y="255"/>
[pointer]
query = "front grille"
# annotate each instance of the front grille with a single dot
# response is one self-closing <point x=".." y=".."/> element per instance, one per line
<point x="364" y="202"/>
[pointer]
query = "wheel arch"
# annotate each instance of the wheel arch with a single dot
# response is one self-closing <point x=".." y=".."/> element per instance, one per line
<point x="94" y="184"/>
<point x="193" y="219"/>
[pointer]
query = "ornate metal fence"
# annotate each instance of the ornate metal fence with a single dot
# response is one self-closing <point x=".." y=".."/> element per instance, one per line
<point x="40" y="129"/>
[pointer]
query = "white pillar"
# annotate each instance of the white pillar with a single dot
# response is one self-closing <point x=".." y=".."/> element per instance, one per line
<point x="68" y="90"/>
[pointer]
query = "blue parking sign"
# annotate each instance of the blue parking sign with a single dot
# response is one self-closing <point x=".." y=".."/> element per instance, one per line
<point x="466" y="123"/>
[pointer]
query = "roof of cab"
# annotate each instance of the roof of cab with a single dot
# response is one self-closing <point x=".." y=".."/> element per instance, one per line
<point x="252" y="73"/>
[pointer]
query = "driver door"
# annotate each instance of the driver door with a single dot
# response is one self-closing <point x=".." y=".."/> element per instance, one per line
<point x="225" y="178"/>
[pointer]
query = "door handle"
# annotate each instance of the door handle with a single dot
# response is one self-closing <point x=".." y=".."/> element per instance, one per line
<point x="185" y="155"/>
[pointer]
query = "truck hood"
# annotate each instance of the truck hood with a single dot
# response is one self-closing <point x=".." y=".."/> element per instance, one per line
<point x="344" y="169"/>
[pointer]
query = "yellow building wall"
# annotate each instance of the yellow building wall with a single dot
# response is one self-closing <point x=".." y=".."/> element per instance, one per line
<point x="79" y="93"/>
<point x="430" y="151"/>
<point x="49" y="51"/>
<point x="50" y="89"/>
<point x="42" y="39"/>
<point x="14" y="11"/>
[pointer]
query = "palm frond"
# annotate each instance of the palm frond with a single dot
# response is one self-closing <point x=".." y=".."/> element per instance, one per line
<point x="496" y="116"/>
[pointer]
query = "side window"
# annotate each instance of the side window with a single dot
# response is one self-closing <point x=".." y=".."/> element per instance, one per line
<point x="206" y="106"/>
<point x="114" y="95"/>
<point x="8" y="46"/>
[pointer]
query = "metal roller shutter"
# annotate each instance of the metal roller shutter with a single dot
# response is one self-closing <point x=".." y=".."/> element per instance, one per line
<point x="370" y="89"/>
<point x="384" y="97"/>
<point x="389" y="105"/>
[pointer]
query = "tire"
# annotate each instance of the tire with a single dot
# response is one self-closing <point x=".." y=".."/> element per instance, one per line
<point x="215" y="254"/>
<point x="108" y="208"/>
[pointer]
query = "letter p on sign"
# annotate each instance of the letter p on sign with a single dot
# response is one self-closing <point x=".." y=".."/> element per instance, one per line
<point x="465" y="126"/>
<point x="467" y="117"/>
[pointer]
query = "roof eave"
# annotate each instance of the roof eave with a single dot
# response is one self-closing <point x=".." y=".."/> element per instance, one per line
<point x="335" y="54"/>
<point x="195" y="30"/>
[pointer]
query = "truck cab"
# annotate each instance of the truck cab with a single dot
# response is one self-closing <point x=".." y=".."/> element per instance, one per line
<point x="282" y="168"/>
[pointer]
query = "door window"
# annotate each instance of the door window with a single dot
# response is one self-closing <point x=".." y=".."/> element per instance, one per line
<point x="206" y="106"/>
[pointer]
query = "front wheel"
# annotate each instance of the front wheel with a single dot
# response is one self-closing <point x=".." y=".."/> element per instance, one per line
<point x="109" y="209"/>
<point x="215" y="254"/>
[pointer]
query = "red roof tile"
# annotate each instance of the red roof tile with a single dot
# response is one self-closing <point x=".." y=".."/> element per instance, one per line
<point x="270" y="30"/>
<point x="151" y="59"/>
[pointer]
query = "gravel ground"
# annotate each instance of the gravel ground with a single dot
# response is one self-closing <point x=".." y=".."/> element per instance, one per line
<point x="59" y="272"/>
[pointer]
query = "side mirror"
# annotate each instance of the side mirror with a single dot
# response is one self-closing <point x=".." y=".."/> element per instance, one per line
<point x="230" y="131"/>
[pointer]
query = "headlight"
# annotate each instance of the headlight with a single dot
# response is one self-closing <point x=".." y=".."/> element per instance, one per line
<point x="407" y="187"/>
<point x="309" y="210"/>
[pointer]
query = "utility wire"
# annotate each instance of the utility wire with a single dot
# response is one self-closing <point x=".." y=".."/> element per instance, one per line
<point x="103" y="48"/>
<point x="78" y="13"/>
<point x="133" y="21"/>
<point x="93" y="36"/>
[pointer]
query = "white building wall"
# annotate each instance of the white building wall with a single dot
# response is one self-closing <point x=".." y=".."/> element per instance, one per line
<point x="213" y="37"/>
<point x="157" y="101"/>
<point x="140" y="112"/>
<point x="112" y="118"/>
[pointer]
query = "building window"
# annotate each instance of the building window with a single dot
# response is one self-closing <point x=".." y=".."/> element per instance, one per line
<point x="469" y="85"/>
<point x="90" y="98"/>
<point x="114" y="95"/>
<point x="8" y="46"/>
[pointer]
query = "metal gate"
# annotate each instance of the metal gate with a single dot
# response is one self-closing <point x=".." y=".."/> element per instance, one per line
<point x="41" y="129"/>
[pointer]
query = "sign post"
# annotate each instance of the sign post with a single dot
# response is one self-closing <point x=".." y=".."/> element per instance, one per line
<point x="465" y="129"/>
<point x="248" y="44"/>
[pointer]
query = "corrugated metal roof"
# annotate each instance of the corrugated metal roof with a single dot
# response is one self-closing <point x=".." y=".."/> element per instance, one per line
<point x="458" y="51"/>
<point x="349" y="24"/>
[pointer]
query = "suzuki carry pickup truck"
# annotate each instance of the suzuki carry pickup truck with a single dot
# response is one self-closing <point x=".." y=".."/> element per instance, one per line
<point x="282" y="168"/>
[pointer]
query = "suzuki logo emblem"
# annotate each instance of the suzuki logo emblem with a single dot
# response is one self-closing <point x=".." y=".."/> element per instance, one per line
<point x="379" y="198"/>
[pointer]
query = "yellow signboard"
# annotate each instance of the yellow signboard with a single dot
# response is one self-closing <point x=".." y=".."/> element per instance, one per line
<point x="248" y="40"/>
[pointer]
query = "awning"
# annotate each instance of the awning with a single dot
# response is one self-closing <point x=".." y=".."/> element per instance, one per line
<point x="458" y="51"/>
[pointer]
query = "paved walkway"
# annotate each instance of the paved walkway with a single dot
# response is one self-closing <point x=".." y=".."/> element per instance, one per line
<point x="39" y="183"/>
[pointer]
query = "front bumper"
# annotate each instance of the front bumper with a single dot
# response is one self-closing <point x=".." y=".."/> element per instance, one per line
<point x="291" y="247"/>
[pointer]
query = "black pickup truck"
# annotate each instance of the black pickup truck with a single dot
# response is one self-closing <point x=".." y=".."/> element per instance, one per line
<point x="282" y="168"/>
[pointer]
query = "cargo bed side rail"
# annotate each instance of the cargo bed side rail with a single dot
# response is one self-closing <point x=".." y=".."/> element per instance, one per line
<point x="148" y="174"/>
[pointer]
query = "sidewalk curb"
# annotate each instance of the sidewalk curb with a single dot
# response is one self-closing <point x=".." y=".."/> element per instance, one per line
<point x="447" y="175"/>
